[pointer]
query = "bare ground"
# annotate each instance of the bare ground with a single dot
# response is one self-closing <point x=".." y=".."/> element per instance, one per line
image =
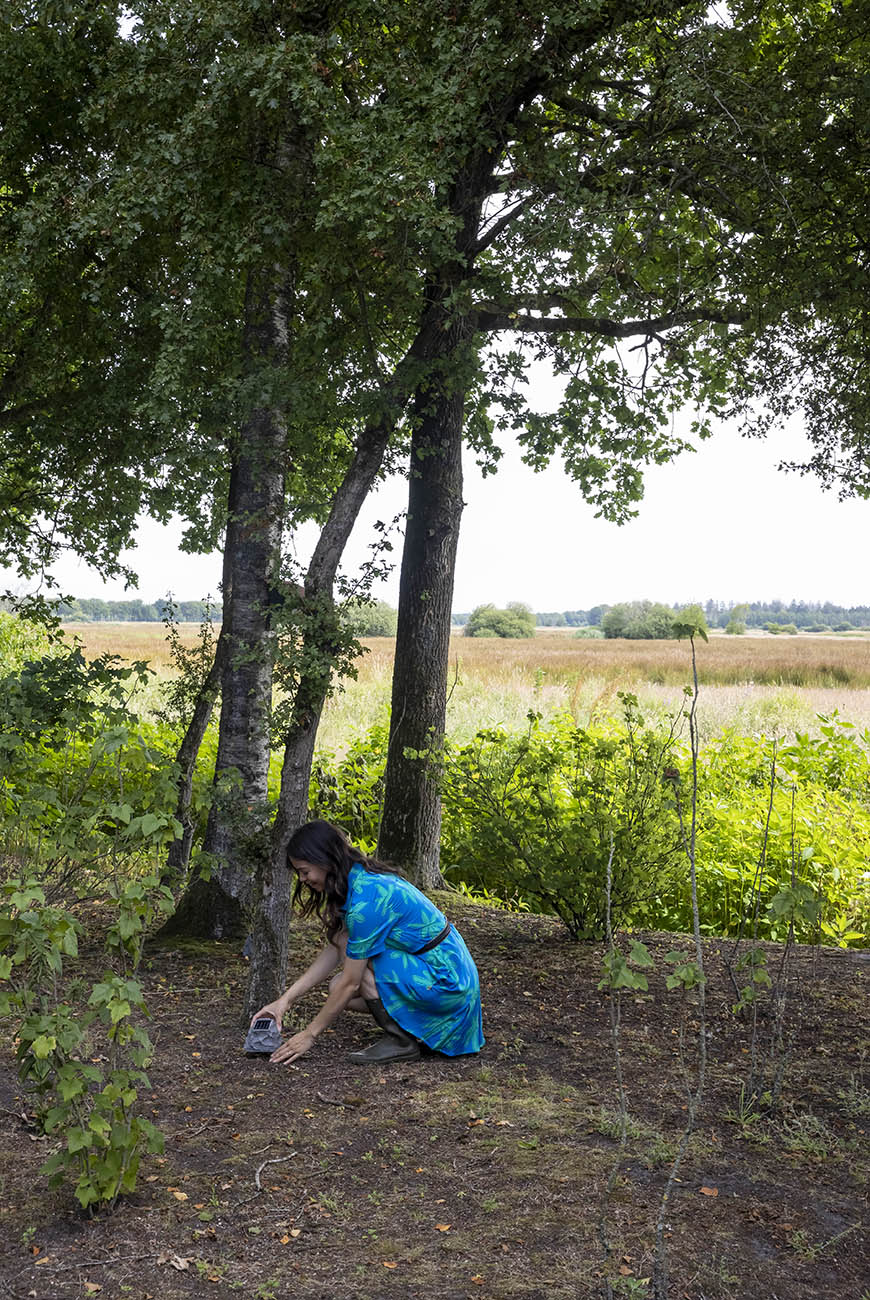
<point x="479" y="1177"/>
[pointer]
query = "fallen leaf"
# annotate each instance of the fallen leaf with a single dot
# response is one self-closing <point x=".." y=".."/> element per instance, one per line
<point x="152" y="1178"/>
<point x="177" y="1261"/>
<point x="478" y="1280"/>
<point x="709" y="1191"/>
<point x="92" y="1287"/>
<point x="625" y="1271"/>
<point x="389" y="1263"/>
<point x="180" y="1196"/>
<point x="199" y="1205"/>
<point x="295" y="1232"/>
<point x="442" y="1227"/>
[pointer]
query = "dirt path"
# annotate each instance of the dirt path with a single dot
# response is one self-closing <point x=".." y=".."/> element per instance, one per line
<point x="481" y="1177"/>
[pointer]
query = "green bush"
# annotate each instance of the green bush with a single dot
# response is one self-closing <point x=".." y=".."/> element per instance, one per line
<point x="81" y="1066"/>
<point x="527" y="820"/>
<point x="88" y="803"/>
<point x="350" y="792"/>
<point x="639" y="620"/>
<point x="539" y="815"/>
<point x="814" y="872"/>
<point x="515" y="621"/>
<point x="370" y="618"/>
<point x="82" y="787"/>
<point x="589" y="633"/>
<point x="20" y="640"/>
<point x="735" y="628"/>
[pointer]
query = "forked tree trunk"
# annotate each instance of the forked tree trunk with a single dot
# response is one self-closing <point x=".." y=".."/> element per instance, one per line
<point x="272" y="909"/>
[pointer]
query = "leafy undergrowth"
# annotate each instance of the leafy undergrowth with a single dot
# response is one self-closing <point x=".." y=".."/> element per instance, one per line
<point x="479" y="1177"/>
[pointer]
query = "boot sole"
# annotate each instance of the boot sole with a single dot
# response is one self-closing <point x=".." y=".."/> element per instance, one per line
<point x="403" y="1054"/>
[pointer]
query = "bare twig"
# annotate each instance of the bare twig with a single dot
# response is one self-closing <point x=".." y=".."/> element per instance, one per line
<point x="330" y="1101"/>
<point x="278" y="1160"/>
<point x="615" y="1004"/>
<point x="660" y="1267"/>
<point x="103" y="1263"/>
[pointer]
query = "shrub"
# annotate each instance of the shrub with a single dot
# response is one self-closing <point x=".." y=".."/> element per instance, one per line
<point x="370" y="618"/>
<point x="351" y="791"/>
<point x="589" y="633"/>
<point x="639" y="620"/>
<point x="20" y="640"/>
<point x="515" y="621"/>
<point x="538" y="816"/>
<point x="735" y="628"/>
<point x="89" y="804"/>
<point x="81" y="787"/>
<point x="83" y="1067"/>
<point x="818" y="839"/>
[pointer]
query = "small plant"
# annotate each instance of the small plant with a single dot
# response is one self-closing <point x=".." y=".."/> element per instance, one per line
<point x="631" y="1286"/>
<point x="855" y="1098"/>
<point x="91" y="1107"/>
<point x="746" y="1114"/>
<point x="753" y="963"/>
<point x="809" y="1135"/>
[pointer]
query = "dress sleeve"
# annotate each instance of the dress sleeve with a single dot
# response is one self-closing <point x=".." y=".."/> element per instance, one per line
<point x="370" y="916"/>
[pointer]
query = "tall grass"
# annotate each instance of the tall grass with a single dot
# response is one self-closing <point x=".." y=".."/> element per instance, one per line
<point x="754" y="684"/>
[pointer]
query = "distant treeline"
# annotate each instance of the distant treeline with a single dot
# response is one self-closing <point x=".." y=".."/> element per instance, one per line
<point x="802" y="613"/>
<point x="134" y="611"/>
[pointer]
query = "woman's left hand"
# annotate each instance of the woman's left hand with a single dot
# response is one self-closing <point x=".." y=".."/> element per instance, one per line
<point x="296" y="1046"/>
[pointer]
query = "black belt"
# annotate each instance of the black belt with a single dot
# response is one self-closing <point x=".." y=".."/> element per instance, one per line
<point x="433" y="943"/>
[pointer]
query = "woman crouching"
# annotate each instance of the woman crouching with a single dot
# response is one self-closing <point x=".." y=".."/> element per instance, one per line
<point x="400" y="958"/>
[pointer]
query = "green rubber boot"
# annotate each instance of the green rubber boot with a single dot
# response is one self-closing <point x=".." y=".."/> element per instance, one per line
<point x="396" y="1045"/>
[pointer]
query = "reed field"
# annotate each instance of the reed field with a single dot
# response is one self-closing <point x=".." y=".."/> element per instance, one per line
<point x="751" y="683"/>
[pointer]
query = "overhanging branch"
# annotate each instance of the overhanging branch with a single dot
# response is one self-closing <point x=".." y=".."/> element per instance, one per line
<point x="492" y="321"/>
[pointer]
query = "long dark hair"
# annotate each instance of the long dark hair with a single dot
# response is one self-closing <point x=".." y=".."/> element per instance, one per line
<point x="325" y="845"/>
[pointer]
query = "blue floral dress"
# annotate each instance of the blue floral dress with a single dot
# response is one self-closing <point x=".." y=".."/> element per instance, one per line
<point x="433" y="995"/>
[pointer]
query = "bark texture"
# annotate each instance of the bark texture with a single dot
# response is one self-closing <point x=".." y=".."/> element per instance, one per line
<point x="411" y="820"/>
<point x="411" y="823"/>
<point x="237" y="834"/>
<point x="272" y="912"/>
<point x="178" y="857"/>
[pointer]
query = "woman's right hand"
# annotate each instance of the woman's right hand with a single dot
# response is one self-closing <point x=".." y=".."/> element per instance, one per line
<point x="276" y="1010"/>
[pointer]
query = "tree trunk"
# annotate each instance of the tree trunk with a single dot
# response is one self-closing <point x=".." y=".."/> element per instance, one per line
<point x="178" y="857"/>
<point x="411" y="823"/>
<point x="237" y="834"/>
<point x="272" y="911"/>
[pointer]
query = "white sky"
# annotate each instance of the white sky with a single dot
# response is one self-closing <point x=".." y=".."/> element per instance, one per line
<point x="721" y="523"/>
